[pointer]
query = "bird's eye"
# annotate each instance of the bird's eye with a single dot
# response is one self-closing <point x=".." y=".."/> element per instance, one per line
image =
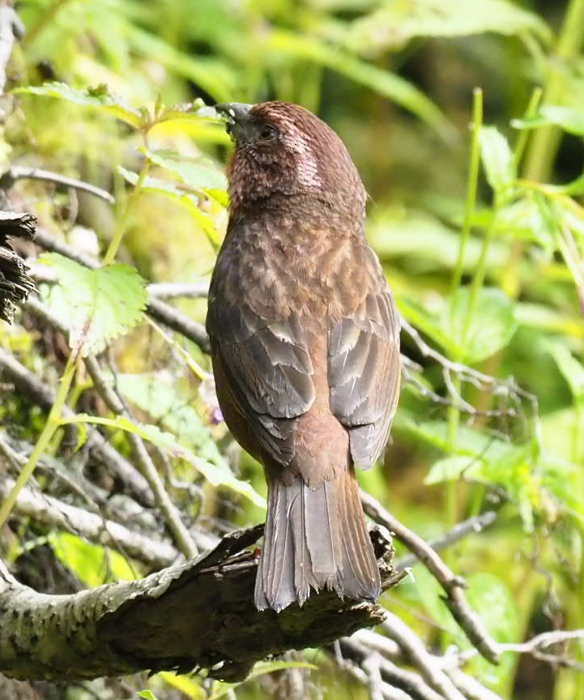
<point x="268" y="132"/>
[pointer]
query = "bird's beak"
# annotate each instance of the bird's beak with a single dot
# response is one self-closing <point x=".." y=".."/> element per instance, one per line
<point x="238" y="119"/>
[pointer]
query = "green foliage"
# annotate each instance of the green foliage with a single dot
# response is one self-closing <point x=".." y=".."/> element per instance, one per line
<point x="95" y="305"/>
<point x="492" y="324"/>
<point x="94" y="565"/>
<point x="484" y="253"/>
<point x="94" y="97"/>
<point x="397" y="22"/>
<point x="216" y="474"/>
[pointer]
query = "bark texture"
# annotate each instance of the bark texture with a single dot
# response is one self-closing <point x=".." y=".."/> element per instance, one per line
<point x="196" y="615"/>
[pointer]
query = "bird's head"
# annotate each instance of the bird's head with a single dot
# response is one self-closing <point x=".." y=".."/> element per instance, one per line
<point x="284" y="150"/>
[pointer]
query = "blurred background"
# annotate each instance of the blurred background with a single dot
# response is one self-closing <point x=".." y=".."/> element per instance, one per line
<point x="482" y="247"/>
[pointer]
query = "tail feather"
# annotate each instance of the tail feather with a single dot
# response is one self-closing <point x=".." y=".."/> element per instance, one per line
<point x="315" y="538"/>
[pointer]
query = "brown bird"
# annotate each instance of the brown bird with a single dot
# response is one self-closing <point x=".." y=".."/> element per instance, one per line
<point x="305" y="346"/>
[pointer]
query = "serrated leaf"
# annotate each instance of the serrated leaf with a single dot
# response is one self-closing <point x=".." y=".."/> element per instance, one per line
<point x="491" y="326"/>
<point x="96" y="306"/>
<point x="151" y="184"/>
<point x="497" y="158"/>
<point x="530" y="219"/>
<point x="200" y="173"/>
<point x="93" y="97"/>
<point x="397" y="22"/>
<point x="216" y="474"/>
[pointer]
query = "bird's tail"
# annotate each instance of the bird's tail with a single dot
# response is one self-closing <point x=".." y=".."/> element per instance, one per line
<point x="315" y="538"/>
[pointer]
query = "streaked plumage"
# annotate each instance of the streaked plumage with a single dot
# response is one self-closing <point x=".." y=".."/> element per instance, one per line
<point x="305" y="346"/>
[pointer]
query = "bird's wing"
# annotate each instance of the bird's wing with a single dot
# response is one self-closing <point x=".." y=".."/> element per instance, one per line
<point x="267" y="368"/>
<point x="364" y="367"/>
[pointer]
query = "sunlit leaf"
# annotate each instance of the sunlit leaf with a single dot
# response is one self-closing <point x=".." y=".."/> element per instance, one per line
<point x="94" y="97"/>
<point x="200" y="173"/>
<point x="91" y="563"/>
<point x="220" y="690"/>
<point x="185" y="684"/>
<point x="216" y="474"/>
<point x="571" y="369"/>
<point x="497" y="158"/>
<point x="398" y="21"/>
<point x="452" y="468"/>
<point x="569" y="119"/>
<point x="95" y="305"/>
<point x="147" y="695"/>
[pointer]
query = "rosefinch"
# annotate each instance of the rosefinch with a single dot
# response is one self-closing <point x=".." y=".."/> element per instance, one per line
<point x="305" y="347"/>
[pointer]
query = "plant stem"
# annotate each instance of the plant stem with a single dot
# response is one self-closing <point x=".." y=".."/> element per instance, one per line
<point x="545" y="142"/>
<point x="471" y="192"/>
<point x="51" y="426"/>
<point x="122" y="226"/>
<point x="453" y="415"/>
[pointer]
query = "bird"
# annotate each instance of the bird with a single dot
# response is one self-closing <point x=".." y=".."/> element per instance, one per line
<point x="304" y="336"/>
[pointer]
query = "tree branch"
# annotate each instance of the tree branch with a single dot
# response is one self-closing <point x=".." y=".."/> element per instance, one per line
<point x="20" y="172"/>
<point x="452" y="585"/>
<point x="50" y="511"/>
<point x="199" y="614"/>
<point x="461" y="530"/>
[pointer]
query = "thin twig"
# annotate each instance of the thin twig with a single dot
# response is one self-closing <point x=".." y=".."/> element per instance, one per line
<point x="417" y="655"/>
<point x="453" y="585"/>
<point x="50" y="511"/>
<point x="20" y="172"/>
<point x="174" y="290"/>
<point x="44" y="396"/>
<point x="145" y="464"/>
<point x="171" y="515"/>
<point x="458" y="532"/>
<point x="408" y="681"/>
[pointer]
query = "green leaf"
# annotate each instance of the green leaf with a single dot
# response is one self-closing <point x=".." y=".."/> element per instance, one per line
<point x="216" y="474"/>
<point x="167" y="189"/>
<point x="491" y="326"/>
<point x="569" y="119"/>
<point x="147" y="695"/>
<point x="490" y="597"/>
<point x="93" y="564"/>
<point x="397" y="22"/>
<point x="571" y="369"/>
<point x="452" y="468"/>
<point x="200" y="173"/>
<point x="497" y="158"/>
<point x="380" y="81"/>
<point x="260" y="669"/>
<point x="93" y="97"/>
<point x="157" y="395"/>
<point x="185" y="684"/>
<point x="97" y="306"/>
